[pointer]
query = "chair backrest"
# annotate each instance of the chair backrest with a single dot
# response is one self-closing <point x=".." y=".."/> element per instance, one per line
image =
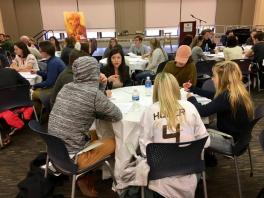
<point x="57" y="151"/>
<point x="208" y="85"/>
<point x="259" y="113"/>
<point x="171" y="159"/>
<point x="161" y="66"/>
<point x="243" y="64"/>
<point x="205" y="67"/>
<point x="15" y="96"/>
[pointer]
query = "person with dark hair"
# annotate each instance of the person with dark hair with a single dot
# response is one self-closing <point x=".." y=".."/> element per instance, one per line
<point x="250" y="39"/>
<point x="66" y="76"/>
<point x="187" y="40"/>
<point x="257" y="52"/>
<point x="138" y="48"/>
<point x="69" y="46"/>
<point x="3" y="61"/>
<point x="116" y="71"/>
<point x="85" y="48"/>
<point x="92" y="45"/>
<point x="197" y="52"/>
<point x="112" y="43"/>
<point x="182" y="68"/>
<point x="208" y="39"/>
<point x="24" y="60"/>
<point x="7" y="44"/>
<point x="54" y="67"/>
<point x="33" y="50"/>
<point x="232" y="50"/>
<point x="223" y="39"/>
<point x="55" y="43"/>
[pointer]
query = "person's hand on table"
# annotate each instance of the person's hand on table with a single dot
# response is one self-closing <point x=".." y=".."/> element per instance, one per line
<point x="102" y="78"/>
<point x="187" y="85"/>
<point x="189" y="94"/>
<point x="108" y="93"/>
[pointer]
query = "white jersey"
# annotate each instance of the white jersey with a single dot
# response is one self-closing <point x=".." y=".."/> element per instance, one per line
<point x="191" y="128"/>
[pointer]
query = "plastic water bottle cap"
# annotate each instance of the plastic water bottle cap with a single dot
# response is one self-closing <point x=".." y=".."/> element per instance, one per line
<point x="148" y="78"/>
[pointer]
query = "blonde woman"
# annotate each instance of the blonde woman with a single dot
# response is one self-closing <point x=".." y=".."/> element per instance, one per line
<point x="174" y="115"/>
<point x="156" y="56"/>
<point x="231" y="103"/>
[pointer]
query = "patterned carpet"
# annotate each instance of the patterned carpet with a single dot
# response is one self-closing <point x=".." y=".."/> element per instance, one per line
<point x="221" y="180"/>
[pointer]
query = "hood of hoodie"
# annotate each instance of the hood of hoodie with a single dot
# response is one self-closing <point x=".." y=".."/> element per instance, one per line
<point x="86" y="70"/>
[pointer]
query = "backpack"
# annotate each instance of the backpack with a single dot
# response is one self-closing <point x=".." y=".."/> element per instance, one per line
<point x="35" y="185"/>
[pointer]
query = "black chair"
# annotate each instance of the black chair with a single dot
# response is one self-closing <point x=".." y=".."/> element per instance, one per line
<point x="58" y="155"/>
<point x="161" y="66"/>
<point x="244" y="67"/>
<point x="208" y="85"/>
<point x="16" y="96"/>
<point x="204" y="71"/>
<point x="257" y="72"/>
<point x="172" y="159"/>
<point x="259" y="113"/>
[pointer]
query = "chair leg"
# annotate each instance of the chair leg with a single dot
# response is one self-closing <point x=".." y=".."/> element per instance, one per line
<point x="238" y="179"/>
<point x="111" y="171"/>
<point x="73" y="186"/>
<point x="250" y="160"/>
<point x="47" y="167"/>
<point x="142" y="192"/>
<point x="204" y="185"/>
<point x="35" y="113"/>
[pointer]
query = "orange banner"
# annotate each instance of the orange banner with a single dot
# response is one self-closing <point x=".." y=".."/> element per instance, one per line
<point x="75" y="25"/>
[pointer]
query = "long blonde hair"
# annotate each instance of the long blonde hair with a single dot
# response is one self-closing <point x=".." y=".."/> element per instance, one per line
<point x="230" y="78"/>
<point x="167" y="93"/>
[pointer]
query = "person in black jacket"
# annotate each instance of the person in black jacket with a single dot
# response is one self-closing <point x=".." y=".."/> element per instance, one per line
<point x="231" y="103"/>
<point x="69" y="46"/>
<point x="116" y="71"/>
<point x="208" y="40"/>
<point x="10" y="77"/>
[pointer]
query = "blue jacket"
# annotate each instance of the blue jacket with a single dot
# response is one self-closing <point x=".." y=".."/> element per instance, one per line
<point x="54" y="67"/>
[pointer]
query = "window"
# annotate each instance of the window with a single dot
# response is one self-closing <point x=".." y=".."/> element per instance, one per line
<point x="152" y="32"/>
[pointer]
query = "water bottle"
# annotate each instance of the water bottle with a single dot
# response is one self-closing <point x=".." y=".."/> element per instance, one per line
<point x="148" y="85"/>
<point x="135" y="95"/>
<point x="206" y="48"/>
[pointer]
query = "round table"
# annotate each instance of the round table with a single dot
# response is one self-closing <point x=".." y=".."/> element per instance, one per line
<point x="127" y="130"/>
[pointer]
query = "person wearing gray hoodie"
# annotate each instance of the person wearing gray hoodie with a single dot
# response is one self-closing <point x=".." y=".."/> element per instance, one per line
<point x="76" y="107"/>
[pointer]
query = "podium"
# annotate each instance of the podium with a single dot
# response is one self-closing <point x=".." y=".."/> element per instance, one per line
<point x="187" y="28"/>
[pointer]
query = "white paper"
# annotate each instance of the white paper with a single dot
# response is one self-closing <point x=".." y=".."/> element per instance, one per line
<point x="91" y="147"/>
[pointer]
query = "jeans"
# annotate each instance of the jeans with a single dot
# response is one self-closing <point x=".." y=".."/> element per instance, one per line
<point x="220" y="143"/>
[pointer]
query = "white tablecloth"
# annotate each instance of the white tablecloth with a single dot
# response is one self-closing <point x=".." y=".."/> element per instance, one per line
<point x="134" y="62"/>
<point x="127" y="130"/>
<point x="217" y="57"/>
<point x="32" y="78"/>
